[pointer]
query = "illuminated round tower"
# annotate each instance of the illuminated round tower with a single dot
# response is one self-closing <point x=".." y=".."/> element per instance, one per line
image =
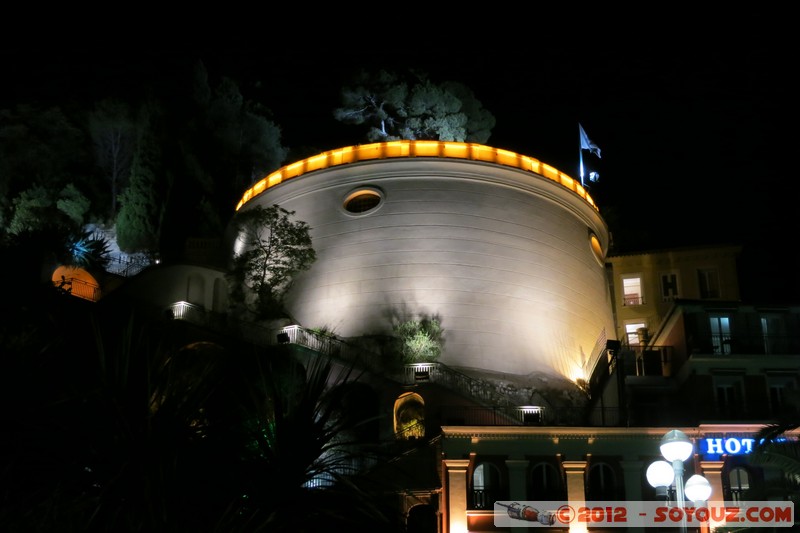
<point x="506" y="251"/>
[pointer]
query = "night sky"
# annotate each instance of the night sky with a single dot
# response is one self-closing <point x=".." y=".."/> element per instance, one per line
<point x="694" y="131"/>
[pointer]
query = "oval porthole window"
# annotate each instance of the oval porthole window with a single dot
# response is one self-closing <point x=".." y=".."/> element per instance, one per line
<point x="362" y="201"/>
<point x="597" y="248"/>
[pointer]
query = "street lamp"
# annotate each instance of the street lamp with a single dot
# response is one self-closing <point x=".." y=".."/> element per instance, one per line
<point x="660" y="475"/>
<point x="677" y="448"/>
<point x="698" y="489"/>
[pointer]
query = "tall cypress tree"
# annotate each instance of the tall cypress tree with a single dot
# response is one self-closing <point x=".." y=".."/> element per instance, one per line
<point x="142" y="203"/>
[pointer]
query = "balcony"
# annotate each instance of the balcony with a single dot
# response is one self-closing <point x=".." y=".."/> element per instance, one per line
<point x="522" y="415"/>
<point x="79" y="288"/>
<point x="732" y="344"/>
<point x="629" y="300"/>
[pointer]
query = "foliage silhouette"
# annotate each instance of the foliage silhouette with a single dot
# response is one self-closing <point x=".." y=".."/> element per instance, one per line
<point x="143" y="202"/>
<point x="274" y="249"/>
<point x="154" y="426"/>
<point x="773" y="448"/>
<point x="413" y="107"/>
<point x="113" y="133"/>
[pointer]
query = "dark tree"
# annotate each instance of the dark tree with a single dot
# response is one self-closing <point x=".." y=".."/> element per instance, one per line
<point x="113" y="133"/>
<point x="225" y="145"/>
<point x="413" y="108"/>
<point x="142" y="203"/>
<point x="40" y="150"/>
<point x="275" y="248"/>
<point x="374" y="101"/>
<point x="479" y="120"/>
<point x="772" y="445"/>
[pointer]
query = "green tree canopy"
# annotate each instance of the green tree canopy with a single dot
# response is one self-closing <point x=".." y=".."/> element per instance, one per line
<point x="204" y="141"/>
<point x="143" y="201"/>
<point x="414" y="107"/>
<point x="73" y="204"/>
<point x="31" y="210"/>
<point x="420" y="339"/>
<point x="58" y="215"/>
<point x="40" y="150"/>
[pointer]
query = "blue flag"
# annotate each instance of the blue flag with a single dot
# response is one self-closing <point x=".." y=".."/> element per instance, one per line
<point x="587" y="144"/>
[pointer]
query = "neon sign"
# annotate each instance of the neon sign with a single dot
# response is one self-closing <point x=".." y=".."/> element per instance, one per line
<point x="727" y="445"/>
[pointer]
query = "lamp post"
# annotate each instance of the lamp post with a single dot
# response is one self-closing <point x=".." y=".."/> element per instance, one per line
<point x="660" y="475"/>
<point x="698" y="489"/>
<point x="677" y="448"/>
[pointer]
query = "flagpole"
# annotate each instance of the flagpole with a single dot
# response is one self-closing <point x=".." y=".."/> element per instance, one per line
<point x="580" y="153"/>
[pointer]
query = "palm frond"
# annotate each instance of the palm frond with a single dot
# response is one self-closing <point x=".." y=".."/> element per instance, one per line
<point x="784" y="455"/>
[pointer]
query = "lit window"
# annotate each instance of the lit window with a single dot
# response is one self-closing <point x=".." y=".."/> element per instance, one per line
<point x="632" y="290"/>
<point x="597" y="248"/>
<point x="721" y="334"/>
<point x="774" y="334"/>
<point x="363" y="201"/>
<point x="635" y="332"/>
<point x="485" y="486"/>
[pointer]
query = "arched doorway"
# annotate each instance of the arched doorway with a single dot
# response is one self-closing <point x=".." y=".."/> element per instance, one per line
<point x="409" y="416"/>
<point x="422" y="519"/>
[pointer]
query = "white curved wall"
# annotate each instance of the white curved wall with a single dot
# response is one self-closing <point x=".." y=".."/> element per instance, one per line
<point x="165" y="285"/>
<point x="500" y="255"/>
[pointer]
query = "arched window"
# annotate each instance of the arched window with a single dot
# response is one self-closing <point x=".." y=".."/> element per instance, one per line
<point x="196" y="290"/>
<point x="739" y="482"/>
<point x="486" y="486"/>
<point x="219" y="303"/>
<point x="409" y="416"/>
<point x="602" y="483"/>
<point x="546" y="483"/>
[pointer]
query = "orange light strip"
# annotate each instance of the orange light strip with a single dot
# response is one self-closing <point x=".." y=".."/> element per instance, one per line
<point x="395" y="149"/>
